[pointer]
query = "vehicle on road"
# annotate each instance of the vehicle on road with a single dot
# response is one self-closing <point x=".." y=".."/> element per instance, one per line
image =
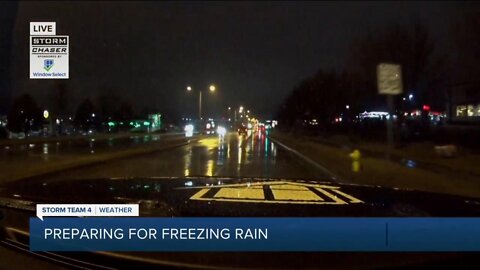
<point x="242" y="130"/>
<point x="18" y="135"/>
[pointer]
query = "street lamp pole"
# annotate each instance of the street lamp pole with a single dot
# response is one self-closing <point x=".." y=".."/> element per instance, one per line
<point x="200" y="104"/>
<point x="211" y="88"/>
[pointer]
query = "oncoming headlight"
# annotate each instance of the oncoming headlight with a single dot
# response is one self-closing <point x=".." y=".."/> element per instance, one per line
<point x="189" y="130"/>
<point x="221" y="131"/>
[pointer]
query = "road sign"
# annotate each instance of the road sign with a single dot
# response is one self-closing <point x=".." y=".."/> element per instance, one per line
<point x="283" y="192"/>
<point x="389" y="79"/>
<point x="389" y="82"/>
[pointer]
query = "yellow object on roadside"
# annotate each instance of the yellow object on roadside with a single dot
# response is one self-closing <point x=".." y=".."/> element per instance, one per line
<point x="355" y="156"/>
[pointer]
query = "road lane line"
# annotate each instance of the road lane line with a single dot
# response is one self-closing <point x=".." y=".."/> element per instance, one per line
<point x="333" y="176"/>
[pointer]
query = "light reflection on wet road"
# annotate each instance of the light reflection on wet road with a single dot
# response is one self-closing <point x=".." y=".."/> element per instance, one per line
<point x="234" y="156"/>
<point x="87" y="145"/>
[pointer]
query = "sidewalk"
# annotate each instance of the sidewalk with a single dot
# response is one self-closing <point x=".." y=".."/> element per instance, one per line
<point x="380" y="172"/>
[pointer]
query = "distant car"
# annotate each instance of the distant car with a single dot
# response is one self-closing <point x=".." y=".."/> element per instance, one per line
<point x="19" y="135"/>
<point x="221" y="131"/>
<point x="261" y="128"/>
<point x="210" y="128"/>
<point x="242" y="130"/>
<point x="87" y="132"/>
<point x="34" y="133"/>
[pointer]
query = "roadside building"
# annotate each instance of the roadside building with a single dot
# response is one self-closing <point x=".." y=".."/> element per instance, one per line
<point x="464" y="104"/>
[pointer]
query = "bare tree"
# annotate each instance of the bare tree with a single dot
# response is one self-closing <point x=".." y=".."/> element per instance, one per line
<point x="60" y="99"/>
<point x="25" y="115"/>
<point x="466" y="39"/>
<point x="410" y="46"/>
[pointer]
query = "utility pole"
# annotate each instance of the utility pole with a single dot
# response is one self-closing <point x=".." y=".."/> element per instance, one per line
<point x="200" y="105"/>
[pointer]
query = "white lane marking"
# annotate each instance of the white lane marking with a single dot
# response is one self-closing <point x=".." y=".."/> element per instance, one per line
<point x="332" y="175"/>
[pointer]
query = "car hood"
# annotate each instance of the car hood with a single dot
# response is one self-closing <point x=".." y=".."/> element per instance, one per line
<point x="232" y="197"/>
<point x="241" y="197"/>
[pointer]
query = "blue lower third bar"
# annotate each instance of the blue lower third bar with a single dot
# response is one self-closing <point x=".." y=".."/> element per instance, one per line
<point x="255" y="234"/>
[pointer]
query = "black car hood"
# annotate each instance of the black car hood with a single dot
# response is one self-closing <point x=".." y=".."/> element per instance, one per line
<point x="233" y="197"/>
<point x="239" y="197"/>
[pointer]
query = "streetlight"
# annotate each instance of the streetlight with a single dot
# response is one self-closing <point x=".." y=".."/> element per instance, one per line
<point x="230" y="114"/>
<point x="212" y="89"/>
<point x="347" y="107"/>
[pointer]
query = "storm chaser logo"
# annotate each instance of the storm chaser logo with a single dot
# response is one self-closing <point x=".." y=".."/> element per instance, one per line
<point x="47" y="64"/>
<point x="48" y="50"/>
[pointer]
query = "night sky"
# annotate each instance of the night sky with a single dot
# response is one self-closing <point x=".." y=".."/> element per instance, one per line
<point x="255" y="53"/>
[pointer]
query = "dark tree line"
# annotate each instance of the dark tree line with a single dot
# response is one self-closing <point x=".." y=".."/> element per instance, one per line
<point x="326" y="94"/>
<point x="423" y="69"/>
<point x="320" y="97"/>
<point x="105" y="108"/>
<point x="26" y="115"/>
<point x="466" y="36"/>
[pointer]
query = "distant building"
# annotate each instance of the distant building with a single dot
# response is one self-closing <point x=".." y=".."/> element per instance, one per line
<point x="3" y="120"/>
<point x="155" y="122"/>
<point x="465" y="102"/>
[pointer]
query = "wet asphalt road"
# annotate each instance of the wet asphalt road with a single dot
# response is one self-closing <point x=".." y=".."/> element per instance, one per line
<point x="232" y="156"/>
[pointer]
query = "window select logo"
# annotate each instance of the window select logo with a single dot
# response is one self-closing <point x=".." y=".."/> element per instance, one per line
<point x="48" y="64"/>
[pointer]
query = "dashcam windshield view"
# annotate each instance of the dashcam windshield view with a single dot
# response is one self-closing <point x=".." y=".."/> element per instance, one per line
<point x="239" y="135"/>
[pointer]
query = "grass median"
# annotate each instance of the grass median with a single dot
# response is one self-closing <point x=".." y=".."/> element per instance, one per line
<point x="465" y="162"/>
<point x="380" y="172"/>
